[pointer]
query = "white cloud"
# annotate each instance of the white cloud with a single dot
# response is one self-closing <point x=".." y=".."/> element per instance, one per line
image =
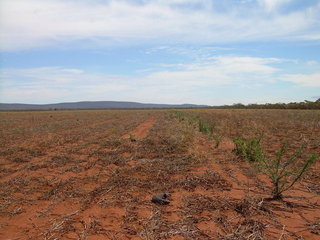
<point x="312" y="62"/>
<point x="219" y="71"/>
<point x="177" y="85"/>
<point x="315" y="36"/>
<point x="306" y="80"/>
<point x="272" y="5"/>
<point x="197" y="82"/>
<point x="36" y="23"/>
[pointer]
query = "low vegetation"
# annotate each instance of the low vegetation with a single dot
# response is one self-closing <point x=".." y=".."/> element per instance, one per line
<point x="283" y="171"/>
<point x="293" y="105"/>
<point x="249" y="150"/>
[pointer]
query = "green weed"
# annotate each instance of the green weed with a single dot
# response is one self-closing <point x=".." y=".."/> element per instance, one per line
<point x="179" y="114"/>
<point x="249" y="150"/>
<point x="205" y="127"/>
<point x="132" y="137"/>
<point x="284" y="170"/>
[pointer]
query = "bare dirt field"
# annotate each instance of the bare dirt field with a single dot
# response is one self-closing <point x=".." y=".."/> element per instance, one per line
<point x="92" y="175"/>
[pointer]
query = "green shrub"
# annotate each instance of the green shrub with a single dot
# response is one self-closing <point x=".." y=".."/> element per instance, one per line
<point x="179" y="114"/>
<point x="204" y="127"/>
<point x="284" y="170"/>
<point x="192" y="119"/>
<point x="249" y="150"/>
<point x="211" y="131"/>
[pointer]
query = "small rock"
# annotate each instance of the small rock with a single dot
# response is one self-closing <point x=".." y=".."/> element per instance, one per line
<point x="161" y="199"/>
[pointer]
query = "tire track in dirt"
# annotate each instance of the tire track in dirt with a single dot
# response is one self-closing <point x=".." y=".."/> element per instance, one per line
<point x="142" y="130"/>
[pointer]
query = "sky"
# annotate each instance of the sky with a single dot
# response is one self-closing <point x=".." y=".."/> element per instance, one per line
<point x="212" y="52"/>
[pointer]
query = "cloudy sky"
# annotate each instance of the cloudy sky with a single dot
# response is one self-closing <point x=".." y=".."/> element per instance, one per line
<point x="159" y="51"/>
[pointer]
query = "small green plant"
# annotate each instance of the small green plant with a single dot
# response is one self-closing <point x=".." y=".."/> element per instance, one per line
<point x="218" y="138"/>
<point x="132" y="137"/>
<point x="204" y="127"/>
<point x="284" y="170"/>
<point x="248" y="149"/>
<point x="210" y="129"/>
<point x="179" y="114"/>
<point x="192" y="119"/>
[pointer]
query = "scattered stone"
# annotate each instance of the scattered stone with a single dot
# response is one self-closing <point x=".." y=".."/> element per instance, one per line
<point x="161" y="199"/>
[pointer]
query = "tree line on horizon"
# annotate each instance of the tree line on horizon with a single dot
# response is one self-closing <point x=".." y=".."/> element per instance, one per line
<point x="292" y="105"/>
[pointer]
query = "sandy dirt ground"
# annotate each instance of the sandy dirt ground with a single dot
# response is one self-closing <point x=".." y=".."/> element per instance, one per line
<point x="94" y="178"/>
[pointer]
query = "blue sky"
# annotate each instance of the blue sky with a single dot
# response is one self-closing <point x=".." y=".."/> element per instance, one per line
<point x="159" y="51"/>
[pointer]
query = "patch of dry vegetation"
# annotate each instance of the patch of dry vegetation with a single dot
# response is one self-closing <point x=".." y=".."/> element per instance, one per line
<point x="74" y="175"/>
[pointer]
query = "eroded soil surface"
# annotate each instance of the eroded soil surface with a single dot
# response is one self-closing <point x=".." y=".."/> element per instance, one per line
<point x="92" y="174"/>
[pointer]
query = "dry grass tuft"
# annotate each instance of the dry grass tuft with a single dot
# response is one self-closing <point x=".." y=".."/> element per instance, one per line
<point x="314" y="227"/>
<point x="196" y="204"/>
<point x="247" y="229"/>
<point x="250" y="206"/>
<point x="157" y="228"/>
<point x="59" y="227"/>
<point x="61" y="160"/>
<point x="62" y="190"/>
<point x="207" y="181"/>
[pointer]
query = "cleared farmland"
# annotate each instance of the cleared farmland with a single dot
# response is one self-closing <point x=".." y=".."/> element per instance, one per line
<point x="92" y="174"/>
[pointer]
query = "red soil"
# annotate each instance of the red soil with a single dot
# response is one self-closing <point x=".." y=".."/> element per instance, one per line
<point x="142" y="130"/>
<point x="50" y="213"/>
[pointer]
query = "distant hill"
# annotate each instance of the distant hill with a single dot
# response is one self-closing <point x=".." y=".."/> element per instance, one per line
<point x="92" y="105"/>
